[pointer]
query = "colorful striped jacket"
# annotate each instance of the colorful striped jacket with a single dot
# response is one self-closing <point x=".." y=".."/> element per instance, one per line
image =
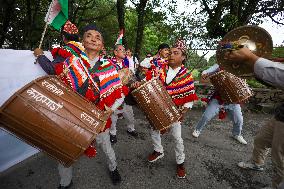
<point x="181" y="88"/>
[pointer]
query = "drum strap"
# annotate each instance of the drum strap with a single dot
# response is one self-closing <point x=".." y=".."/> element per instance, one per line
<point x="86" y="71"/>
<point x="89" y="76"/>
<point x="83" y="89"/>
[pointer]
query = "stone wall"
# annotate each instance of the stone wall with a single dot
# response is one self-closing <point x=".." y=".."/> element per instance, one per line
<point x="261" y="98"/>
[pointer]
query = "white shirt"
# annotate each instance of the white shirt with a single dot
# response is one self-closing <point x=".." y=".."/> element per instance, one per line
<point x="212" y="69"/>
<point x="270" y="72"/>
<point x="133" y="63"/>
<point x="93" y="62"/>
<point x="170" y="76"/>
<point x="146" y="62"/>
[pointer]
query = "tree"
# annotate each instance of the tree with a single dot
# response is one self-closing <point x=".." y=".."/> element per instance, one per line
<point x="6" y="17"/>
<point x="212" y="60"/>
<point x="22" y="21"/>
<point x="195" y="61"/>
<point x="225" y="15"/>
<point x="140" y="8"/>
<point x="278" y="52"/>
<point x="120" y="7"/>
<point x="146" y="23"/>
<point x="153" y="26"/>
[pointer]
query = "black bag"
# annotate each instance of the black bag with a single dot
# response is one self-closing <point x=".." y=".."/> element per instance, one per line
<point x="129" y="100"/>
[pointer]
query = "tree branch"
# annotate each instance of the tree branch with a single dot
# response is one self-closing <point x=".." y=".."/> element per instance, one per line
<point x="100" y="16"/>
<point x="273" y="20"/>
<point x="207" y="9"/>
<point x="135" y="4"/>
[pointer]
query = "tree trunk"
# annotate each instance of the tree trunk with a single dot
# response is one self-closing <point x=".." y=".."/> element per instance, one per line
<point x="120" y="7"/>
<point x="7" y="14"/>
<point x="140" y="26"/>
<point x="28" y="26"/>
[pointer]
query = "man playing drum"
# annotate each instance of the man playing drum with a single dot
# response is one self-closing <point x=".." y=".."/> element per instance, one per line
<point x="216" y="105"/>
<point x="178" y="82"/>
<point x="121" y="61"/>
<point x="110" y="93"/>
<point x="92" y="80"/>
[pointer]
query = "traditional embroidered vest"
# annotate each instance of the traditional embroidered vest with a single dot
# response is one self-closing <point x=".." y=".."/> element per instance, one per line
<point x="181" y="88"/>
<point x="104" y="87"/>
<point x="120" y="65"/>
<point x="71" y="48"/>
<point x="158" y="62"/>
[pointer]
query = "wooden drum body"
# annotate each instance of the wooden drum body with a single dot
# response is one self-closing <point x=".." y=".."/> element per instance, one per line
<point x="157" y="104"/>
<point x="231" y="88"/>
<point x="52" y="117"/>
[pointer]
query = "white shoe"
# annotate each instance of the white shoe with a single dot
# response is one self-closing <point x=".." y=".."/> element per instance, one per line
<point x="240" y="139"/>
<point x="196" y="133"/>
<point x="250" y="165"/>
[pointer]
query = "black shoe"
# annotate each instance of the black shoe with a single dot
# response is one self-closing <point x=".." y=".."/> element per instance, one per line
<point x="65" y="187"/>
<point x="133" y="133"/>
<point x="112" y="138"/>
<point x="115" y="177"/>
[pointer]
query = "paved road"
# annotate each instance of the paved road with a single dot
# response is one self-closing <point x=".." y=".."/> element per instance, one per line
<point x="210" y="161"/>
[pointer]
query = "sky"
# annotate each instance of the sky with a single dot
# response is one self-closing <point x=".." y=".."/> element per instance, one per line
<point x="276" y="31"/>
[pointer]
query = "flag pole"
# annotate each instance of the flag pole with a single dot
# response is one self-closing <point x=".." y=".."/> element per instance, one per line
<point x="42" y="35"/>
<point x="45" y="28"/>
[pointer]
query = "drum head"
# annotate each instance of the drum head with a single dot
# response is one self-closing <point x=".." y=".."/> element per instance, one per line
<point x="255" y="38"/>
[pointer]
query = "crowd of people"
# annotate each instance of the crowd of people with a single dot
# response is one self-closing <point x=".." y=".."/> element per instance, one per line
<point x="98" y="81"/>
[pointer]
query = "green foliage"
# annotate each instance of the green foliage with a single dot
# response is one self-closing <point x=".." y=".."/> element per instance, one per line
<point x="278" y="52"/>
<point x="155" y="32"/>
<point x="230" y="21"/>
<point x="26" y="23"/>
<point x="130" y="26"/>
<point x="100" y="12"/>
<point x="194" y="61"/>
<point x="21" y="22"/>
<point x="212" y="60"/>
<point x="214" y="18"/>
<point x="255" y="84"/>
<point x="196" y="74"/>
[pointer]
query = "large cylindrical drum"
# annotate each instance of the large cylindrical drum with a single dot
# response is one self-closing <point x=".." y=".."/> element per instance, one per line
<point x="231" y="88"/>
<point x="155" y="101"/>
<point x="53" y="118"/>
